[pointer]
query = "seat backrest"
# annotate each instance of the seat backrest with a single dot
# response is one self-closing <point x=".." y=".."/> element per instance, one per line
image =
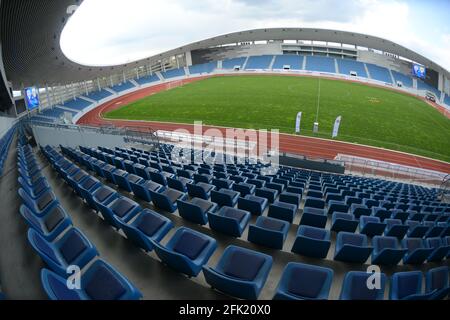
<point x="352" y="239"/>
<point x="314" y="233"/>
<point x="384" y="242"/>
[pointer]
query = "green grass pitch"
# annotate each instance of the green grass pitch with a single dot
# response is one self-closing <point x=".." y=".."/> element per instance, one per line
<point x="370" y="115"/>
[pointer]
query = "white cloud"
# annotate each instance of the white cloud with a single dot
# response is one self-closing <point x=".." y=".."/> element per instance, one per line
<point x="104" y="32"/>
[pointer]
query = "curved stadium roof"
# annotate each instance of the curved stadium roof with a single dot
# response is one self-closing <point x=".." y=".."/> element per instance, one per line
<point x="31" y="30"/>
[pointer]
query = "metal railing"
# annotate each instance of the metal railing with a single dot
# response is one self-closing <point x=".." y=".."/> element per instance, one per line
<point x="140" y="135"/>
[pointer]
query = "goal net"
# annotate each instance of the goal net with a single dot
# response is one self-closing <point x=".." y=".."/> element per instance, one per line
<point x="174" y="84"/>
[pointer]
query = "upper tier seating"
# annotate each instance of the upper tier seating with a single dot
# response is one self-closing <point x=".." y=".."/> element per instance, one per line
<point x="320" y="64"/>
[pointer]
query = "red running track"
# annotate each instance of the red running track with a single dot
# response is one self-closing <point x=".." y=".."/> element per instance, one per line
<point x="307" y="146"/>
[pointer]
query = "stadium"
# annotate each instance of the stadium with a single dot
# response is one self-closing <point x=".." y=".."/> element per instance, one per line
<point x="263" y="164"/>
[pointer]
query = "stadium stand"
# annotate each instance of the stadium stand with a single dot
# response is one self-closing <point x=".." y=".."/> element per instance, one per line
<point x="56" y="112"/>
<point x="190" y="257"/>
<point x="379" y="73"/>
<point x="346" y="66"/>
<point x="447" y="100"/>
<point x="320" y="64"/>
<point x="258" y="62"/>
<point x="123" y="86"/>
<point x="98" y="95"/>
<point x="230" y="64"/>
<point x="100" y="281"/>
<point x="294" y="62"/>
<point x="77" y="104"/>
<point x="421" y="85"/>
<point x="404" y="79"/>
<point x="203" y="68"/>
<point x="5" y="143"/>
<point x="173" y="73"/>
<point x="147" y="79"/>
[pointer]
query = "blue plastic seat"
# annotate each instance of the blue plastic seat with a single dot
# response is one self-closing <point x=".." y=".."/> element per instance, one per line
<point x="196" y="210"/>
<point x="437" y="283"/>
<point x="103" y="196"/>
<point x="337" y="206"/>
<point x="229" y="220"/>
<point x="283" y="211"/>
<point x="125" y="182"/>
<point x="166" y="198"/>
<point x="49" y="226"/>
<point x="417" y="253"/>
<point x="341" y="221"/>
<point x="289" y="197"/>
<point x="395" y="228"/>
<point x="225" y="197"/>
<point x="407" y="286"/>
<point x="440" y="250"/>
<point x="187" y="251"/>
<point x="99" y="282"/>
<point x="142" y="188"/>
<point x="203" y="177"/>
<point x="268" y="232"/>
<point x="160" y="177"/>
<point x="304" y="282"/>
<point x="400" y="214"/>
<point x="120" y="208"/>
<point x="73" y="248"/>
<point x="352" y="247"/>
<point x="355" y="287"/>
<point x="359" y="210"/>
<point x="108" y="172"/>
<point x="312" y="242"/>
<point x="381" y="213"/>
<point x="315" y="203"/>
<point x="268" y="193"/>
<point x="200" y="190"/>
<point x="371" y="226"/>
<point x="416" y="229"/>
<point x="244" y="188"/>
<point x="179" y="183"/>
<point x="36" y="190"/>
<point x="314" y="217"/>
<point x="88" y="187"/>
<point x="257" y="183"/>
<point x="435" y="229"/>
<point x="253" y="204"/>
<point x="240" y="272"/>
<point x="40" y="206"/>
<point x="222" y="183"/>
<point x="146" y="228"/>
<point x="386" y="251"/>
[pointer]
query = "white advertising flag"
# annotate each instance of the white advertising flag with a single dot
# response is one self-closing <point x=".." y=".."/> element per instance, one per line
<point x="337" y="124"/>
<point x="298" y="122"/>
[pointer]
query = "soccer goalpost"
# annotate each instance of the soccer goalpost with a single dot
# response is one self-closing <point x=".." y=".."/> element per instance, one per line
<point x="174" y="84"/>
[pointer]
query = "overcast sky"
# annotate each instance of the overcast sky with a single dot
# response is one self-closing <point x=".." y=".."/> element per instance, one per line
<point x="105" y="32"/>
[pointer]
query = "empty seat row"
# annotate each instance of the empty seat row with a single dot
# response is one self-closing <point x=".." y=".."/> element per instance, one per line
<point x="61" y="245"/>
